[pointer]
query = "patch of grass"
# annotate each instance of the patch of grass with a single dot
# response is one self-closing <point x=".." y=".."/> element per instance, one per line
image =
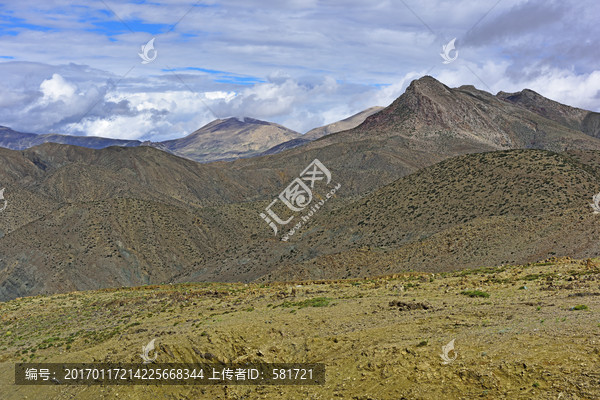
<point x="475" y="293"/>
<point x="581" y="307"/>
<point x="316" y="302"/>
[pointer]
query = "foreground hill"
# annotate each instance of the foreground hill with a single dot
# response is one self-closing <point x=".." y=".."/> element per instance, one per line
<point x="521" y="332"/>
<point x="502" y="207"/>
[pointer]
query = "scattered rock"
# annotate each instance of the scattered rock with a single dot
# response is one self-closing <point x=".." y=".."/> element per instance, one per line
<point x="583" y="294"/>
<point x="402" y="306"/>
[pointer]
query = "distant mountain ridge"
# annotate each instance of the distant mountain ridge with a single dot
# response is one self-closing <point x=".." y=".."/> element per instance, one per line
<point x="220" y="140"/>
<point x="14" y="140"/>
<point x="428" y="107"/>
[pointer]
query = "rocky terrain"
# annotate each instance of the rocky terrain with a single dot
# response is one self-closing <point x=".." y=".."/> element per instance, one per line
<point x="521" y="332"/>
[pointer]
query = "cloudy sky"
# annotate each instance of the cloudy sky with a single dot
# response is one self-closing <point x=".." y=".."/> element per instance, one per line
<point x="72" y="67"/>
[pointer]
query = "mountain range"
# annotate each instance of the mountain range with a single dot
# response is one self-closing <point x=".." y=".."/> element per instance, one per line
<point x="443" y="178"/>
<point x="14" y="140"/>
<point x="222" y="139"/>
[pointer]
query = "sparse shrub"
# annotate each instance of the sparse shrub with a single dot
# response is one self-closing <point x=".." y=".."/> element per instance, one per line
<point x="580" y="307"/>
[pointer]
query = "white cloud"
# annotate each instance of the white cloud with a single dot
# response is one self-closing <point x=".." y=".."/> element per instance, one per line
<point x="57" y="88"/>
<point x="308" y="62"/>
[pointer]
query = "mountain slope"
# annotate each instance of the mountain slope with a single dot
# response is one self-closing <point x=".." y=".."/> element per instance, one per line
<point x="437" y="115"/>
<point x="501" y="207"/>
<point x="345" y="124"/>
<point x="229" y="139"/>
<point x="427" y="124"/>
<point x="348" y="123"/>
<point x="585" y="121"/>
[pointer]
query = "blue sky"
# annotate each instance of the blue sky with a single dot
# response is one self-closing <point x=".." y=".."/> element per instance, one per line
<point x="73" y="67"/>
